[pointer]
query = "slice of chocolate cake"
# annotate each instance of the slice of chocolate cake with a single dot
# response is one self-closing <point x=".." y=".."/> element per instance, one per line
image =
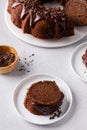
<point x="43" y="98"/>
<point x="84" y="58"/>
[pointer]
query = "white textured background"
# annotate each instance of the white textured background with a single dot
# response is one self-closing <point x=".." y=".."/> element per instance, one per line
<point x="52" y="61"/>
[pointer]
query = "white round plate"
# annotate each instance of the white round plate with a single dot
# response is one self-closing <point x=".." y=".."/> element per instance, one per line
<point x="80" y="32"/>
<point x="76" y="61"/>
<point x="21" y="90"/>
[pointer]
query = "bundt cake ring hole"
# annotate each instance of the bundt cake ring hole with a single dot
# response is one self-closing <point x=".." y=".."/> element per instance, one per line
<point x="52" y="4"/>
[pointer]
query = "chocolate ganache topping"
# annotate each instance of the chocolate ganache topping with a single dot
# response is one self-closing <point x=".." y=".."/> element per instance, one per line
<point x="46" y="109"/>
<point x="38" y="12"/>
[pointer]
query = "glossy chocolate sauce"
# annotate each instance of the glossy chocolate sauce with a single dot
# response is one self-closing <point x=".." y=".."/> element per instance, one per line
<point x="47" y="109"/>
<point x="38" y="12"/>
<point x="24" y="10"/>
<point x="15" y="4"/>
<point x="6" y="59"/>
<point x="24" y="13"/>
<point x="34" y="18"/>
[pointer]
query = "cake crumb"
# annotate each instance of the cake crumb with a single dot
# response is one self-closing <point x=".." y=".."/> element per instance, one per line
<point x="25" y="63"/>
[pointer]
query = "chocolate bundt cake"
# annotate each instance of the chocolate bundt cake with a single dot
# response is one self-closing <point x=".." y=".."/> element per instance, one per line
<point x="84" y="58"/>
<point x="42" y="22"/>
<point x="43" y="98"/>
<point x="77" y="11"/>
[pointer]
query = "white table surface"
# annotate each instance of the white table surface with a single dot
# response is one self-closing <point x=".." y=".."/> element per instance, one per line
<point x="52" y="61"/>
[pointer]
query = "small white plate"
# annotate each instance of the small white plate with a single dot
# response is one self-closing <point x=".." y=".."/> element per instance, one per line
<point x="20" y="92"/>
<point x="76" y="61"/>
<point x="80" y="32"/>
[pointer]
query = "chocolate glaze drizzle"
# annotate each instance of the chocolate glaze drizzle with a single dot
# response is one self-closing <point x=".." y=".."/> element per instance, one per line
<point x="15" y="4"/>
<point x="38" y="12"/>
<point x="48" y="110"/>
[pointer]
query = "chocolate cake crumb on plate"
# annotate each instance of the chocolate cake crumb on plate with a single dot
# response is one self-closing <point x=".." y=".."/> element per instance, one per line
<point x="84" y="58"/>
<point x="46" y="117"/>
<point x="44" y="98"/>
